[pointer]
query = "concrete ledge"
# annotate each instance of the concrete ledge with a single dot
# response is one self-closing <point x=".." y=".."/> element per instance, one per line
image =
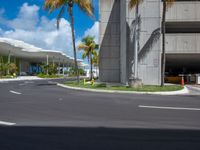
<point x="180" y="92"/>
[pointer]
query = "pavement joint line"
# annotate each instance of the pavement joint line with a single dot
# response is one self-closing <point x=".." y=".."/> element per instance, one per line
<point x="14" y="92"/>
<point x="169" y="108"/>
<point x="7" y="123"/>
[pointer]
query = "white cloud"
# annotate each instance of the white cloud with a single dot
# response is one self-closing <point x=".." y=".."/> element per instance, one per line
<point x="29" y="27"/>
<point x="93" y="31"/>
<point x="27" y="18"/>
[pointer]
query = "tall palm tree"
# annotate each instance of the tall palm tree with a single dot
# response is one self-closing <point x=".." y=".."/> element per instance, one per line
<point x="85" y="5"/>
<point x="166" y="4"/>
<point x="135" y="4"/>
<point x="89" y="47"/>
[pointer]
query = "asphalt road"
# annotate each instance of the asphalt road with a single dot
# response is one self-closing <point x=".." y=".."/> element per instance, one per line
<point x="46" y="116"/>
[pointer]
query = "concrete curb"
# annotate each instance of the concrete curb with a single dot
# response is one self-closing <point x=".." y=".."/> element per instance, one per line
<point x="180" y="92"/>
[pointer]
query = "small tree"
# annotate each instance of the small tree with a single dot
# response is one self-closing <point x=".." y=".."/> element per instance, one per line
<point x="12" y="68"/>
<point x="89" y="48"/>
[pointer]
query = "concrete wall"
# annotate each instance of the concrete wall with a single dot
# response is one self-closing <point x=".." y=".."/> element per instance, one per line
<point x="109" y="40"/>
<point x="150" y="43"/>
<point x="183" y="43"/>
<point x="117" y="41"/>
<point x="184" y="11"/>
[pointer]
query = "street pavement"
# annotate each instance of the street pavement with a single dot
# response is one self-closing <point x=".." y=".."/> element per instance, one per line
<point x="41" y="115"/>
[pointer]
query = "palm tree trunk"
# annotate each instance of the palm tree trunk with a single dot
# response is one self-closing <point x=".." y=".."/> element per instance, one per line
<point x="73" y="40"/>
<point x="91" y="69"/>
<point x="163" y="45"/>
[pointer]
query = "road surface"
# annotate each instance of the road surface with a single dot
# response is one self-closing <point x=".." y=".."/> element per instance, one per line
<point x="41" y="115"/>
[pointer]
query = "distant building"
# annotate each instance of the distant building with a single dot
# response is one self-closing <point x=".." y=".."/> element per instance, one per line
<point x="117" y="40"/>
<point x="28" y="57"/>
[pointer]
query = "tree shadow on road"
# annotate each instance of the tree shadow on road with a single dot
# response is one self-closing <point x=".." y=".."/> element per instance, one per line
<point x="78" y="138"/>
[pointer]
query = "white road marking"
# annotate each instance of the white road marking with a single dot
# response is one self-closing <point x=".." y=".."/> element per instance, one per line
<point x="7" y="123"/>
<point x="14" y="92"/>
<point x="171" y="108"/>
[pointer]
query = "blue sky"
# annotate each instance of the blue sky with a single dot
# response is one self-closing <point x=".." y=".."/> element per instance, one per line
<point x="27" y="20"/>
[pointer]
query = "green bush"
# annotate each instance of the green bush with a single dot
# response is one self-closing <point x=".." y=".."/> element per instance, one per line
<point x="4" y="67"/>
<point x="52" y="68"/>
<point x="41" y="75"/>
<point x="72" y="72"/>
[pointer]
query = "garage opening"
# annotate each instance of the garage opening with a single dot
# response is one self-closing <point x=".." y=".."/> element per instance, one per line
<point x="182" y="64"/>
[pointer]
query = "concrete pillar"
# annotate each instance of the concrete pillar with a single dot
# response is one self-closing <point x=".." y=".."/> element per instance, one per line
<point x="8" y="71"/>
<point x="59" y="67"/>
<point x="20" y="67"/>
<point x="63" y="68"/>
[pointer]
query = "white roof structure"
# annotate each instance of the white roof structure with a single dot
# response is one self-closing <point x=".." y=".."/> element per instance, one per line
<point x="20" y="49"/>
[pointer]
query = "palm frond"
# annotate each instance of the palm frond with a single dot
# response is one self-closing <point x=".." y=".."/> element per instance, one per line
<point x="51" y="5"/>
<point x="86" y="6"/>
<point x="133" y="3"/>
<point x="82" y="47"/>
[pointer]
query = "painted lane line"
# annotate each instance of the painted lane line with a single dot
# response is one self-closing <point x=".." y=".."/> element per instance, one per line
<point x="7" y="123"/>
<point x="171" y="108"/>
<point x="14" y="92"/>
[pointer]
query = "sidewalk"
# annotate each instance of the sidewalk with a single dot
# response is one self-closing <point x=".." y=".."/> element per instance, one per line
<point x="21" y="78"/>
<point x="194" y="89"/>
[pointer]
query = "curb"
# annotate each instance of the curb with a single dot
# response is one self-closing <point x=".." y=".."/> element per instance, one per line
<point x="180" y="92"/>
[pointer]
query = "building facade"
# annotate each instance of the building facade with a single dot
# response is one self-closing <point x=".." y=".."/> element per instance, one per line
<point x="28" y="58"/>
<point x="117" y="22"/>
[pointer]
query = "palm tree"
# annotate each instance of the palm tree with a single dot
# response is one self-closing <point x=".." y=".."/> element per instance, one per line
<point x="84" y="5"/>
<point x="89" y="47"/>
<point x="166" y="4"/>
<point x="132" y="4"/>
<point x="96" y="61"/>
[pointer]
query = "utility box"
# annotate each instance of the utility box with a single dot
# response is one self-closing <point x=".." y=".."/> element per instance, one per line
<point x="198" y="79"/>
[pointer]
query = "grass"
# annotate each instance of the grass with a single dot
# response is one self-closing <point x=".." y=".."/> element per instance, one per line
<point x="49" y="76"/>
<point x="6" y="77"/>
<point x="145" y="88"/>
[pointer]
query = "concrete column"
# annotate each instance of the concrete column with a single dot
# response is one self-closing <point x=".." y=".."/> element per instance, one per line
<point x="8" y="71"/>
<point x="20" y="67"/>
<point x="63" y="68"/>
<point x="59" y="67"/>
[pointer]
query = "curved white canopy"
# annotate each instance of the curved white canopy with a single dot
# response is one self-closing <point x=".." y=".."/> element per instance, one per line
<point x="20" y="49"/>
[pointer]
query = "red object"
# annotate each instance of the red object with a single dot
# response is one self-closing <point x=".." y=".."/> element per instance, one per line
<point x="182" y="81"/>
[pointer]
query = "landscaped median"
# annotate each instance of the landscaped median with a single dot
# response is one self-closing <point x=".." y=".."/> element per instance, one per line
<point x="146" y="89"/>
<point x="44" y="76"/>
